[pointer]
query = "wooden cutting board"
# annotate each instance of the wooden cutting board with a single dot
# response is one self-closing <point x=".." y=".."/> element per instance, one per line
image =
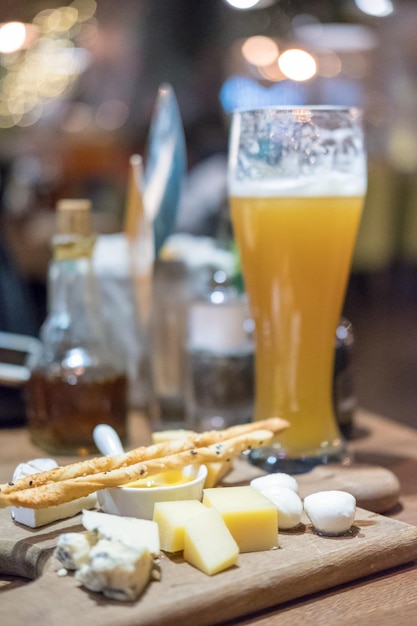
<point x="24" y="551"/>
<point x="304" y="563"/>
<point x="375" y="488"/>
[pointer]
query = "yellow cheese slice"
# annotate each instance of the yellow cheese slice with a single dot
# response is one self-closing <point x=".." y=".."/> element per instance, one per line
<point x="171" y="517"/>
<point x="208" y="544"/>
<point x="160" y="436"/>
<point x="249" y="515"/>
<point x="216" y="471"/>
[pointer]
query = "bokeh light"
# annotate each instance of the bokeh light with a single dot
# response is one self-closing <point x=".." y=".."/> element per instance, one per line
<point x="297" y="64"/>
<point x="112" y="114"/>
<point x="272" y="72"/>
<point x="243" y="4"/>
<point x="260" y="51"/>
<point x="12" y="37"/>
<point x="329" y="63"/>
<point x="378" y="8"/>
<point x="41" y="61"/>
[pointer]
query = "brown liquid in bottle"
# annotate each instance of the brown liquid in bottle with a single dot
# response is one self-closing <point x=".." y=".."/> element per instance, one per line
<point x="64" y="409"/>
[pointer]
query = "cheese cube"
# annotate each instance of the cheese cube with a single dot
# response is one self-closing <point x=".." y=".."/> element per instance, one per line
<point x="171" y="517"/>
<point x="250" y="516"/>
<point x="208" y="544"/>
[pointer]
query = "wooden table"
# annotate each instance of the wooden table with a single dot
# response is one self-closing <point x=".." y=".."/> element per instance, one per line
<point x="385" y="598"/>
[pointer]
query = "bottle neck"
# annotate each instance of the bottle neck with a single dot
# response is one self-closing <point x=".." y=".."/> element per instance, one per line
<point x="73" y="311"/>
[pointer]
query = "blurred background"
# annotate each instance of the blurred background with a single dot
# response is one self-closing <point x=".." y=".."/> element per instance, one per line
<point x="78" y="84"/>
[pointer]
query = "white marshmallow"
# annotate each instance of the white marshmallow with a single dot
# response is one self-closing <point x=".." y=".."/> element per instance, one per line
<point x="288" y="503"/>
<point x="331" y="512"/>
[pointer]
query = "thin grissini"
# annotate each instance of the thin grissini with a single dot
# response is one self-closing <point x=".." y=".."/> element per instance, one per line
<point x="144" y="453"/>
<point x="55" y="493"/>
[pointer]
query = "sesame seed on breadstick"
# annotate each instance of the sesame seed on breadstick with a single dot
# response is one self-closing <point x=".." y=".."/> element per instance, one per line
<point x="56" y="493"/>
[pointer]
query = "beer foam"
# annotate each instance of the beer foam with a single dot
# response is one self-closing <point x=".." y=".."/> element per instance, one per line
<point x="337" y="184"/>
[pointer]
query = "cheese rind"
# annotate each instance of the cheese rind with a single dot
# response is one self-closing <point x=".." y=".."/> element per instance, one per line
<point x="139" y="533"/>
<point x="40" y="517"/>
<point x="208" y="544"/>
<point x="251" y="517"/>
<point x="171" y="517"/>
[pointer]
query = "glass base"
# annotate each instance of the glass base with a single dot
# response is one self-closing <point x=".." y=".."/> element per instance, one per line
<point x="273" y="460"/>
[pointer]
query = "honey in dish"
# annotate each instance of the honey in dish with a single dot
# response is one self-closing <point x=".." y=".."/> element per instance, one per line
<point x="170" y="478"/>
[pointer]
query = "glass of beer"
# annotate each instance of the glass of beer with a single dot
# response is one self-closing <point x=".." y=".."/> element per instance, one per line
<point x="296" y="181"/>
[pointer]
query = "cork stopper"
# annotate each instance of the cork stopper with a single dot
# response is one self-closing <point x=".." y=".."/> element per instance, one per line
<point x="74" y="217"/>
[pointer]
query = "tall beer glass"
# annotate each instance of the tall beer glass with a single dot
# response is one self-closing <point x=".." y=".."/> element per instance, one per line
<point x="297" y="180"/>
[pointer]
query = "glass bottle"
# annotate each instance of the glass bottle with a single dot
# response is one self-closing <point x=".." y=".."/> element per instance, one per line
<point x="344" y="398"/>
<point x="219" y="357"/>
<point x="78" y="381"/>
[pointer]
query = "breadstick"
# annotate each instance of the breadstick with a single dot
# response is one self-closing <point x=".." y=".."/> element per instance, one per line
<point x="144" y="453"/>
<point x="96" y="465"/>
<point x="66" y="490"/>
<point x="274" y="424"/>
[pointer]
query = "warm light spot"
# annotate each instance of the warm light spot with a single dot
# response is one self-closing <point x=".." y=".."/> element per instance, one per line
<point x="62" y="19"/>
<point x="43" y="62"/>
<point x="84" y="8"/>
<point x="297" y="64"/>
<point x="328" y="63"/>
<point x="379" y="8"/>
<point x="336" y="37"/>
<point x="12" y="37"/>
<point x="112" y="114"/>
<point x="260" y="51"/>
<point x="6" y="121"/>
<point x="31" y="117"/>
<point x="402" y="147"/>
<point x="79" y="118"/>
<point x="272" y="72"/>
<point x="243" y="4"/>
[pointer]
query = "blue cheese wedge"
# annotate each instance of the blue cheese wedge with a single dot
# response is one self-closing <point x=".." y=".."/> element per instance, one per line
<point x="40" y="517"/>
<point x="114" y="556"/>
<point x="117" y="570"/>
<point x="73" y="549"/>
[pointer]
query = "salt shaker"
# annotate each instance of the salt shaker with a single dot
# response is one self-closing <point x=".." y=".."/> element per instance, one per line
<point x="219" y="356"/>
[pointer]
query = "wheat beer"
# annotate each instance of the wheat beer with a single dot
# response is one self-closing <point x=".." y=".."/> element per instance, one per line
<point x="296" y="254"/>
<point x="296" y="183"/>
